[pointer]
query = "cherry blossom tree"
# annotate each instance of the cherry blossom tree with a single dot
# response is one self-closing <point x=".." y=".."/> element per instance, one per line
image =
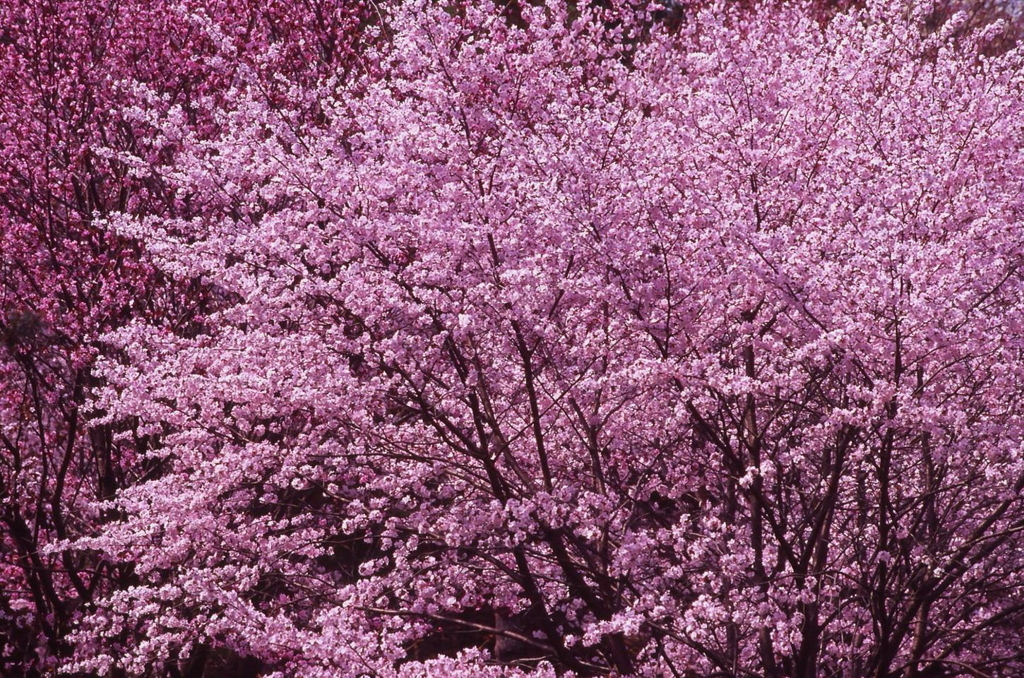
<point x="67" y="68"/>
<point x="559" y="340"/>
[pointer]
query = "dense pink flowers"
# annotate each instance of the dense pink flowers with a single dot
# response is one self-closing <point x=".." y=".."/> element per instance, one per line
<point x="566" y="341"/>
<point x="69" y="73"/>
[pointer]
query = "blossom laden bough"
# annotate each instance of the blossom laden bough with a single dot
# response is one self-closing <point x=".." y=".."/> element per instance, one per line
<point x="571" y="342"/>
<point x="70" y="71"/>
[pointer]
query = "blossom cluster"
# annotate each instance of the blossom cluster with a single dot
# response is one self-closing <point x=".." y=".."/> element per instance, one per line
<point x="555" y="339"/>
